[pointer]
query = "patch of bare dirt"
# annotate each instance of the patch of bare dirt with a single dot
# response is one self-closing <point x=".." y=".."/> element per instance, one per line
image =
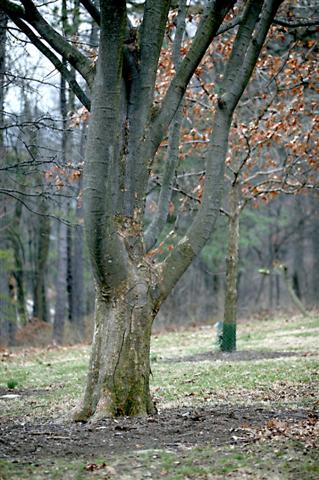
<point x="171" y="428"/>
<point x="23" y="392"/>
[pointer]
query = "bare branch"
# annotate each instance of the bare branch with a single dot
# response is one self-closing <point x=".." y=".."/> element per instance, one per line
<point x="31" y="15"/>
<point x="47" y="215"/>
<point x="296" y="23"/>
<point x="206" y="31"/>
<point x="159" y="219"/>
<point x="92" y="10"/>
<point x="229" y="25"/>
<point x="247" y="48"/>
<point x="55" y="61"/>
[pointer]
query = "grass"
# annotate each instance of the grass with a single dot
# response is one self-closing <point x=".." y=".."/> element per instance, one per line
<point x="50" y="470"/>
<point x="260" y="379"/>
<point x="57" y="376"/>
<point x="284" y="461"/>
<point x="270" y="335"/>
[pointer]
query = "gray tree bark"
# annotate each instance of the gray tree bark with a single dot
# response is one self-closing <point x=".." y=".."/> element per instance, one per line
<point x="42" y="242"/>
<point x="315" y="258"/>
<point x="78" y="303"/>
<point x="294" y="298"/>
<point x="3" y="35"/>
<point x="64" y="273"/>
<point x="124" y="244"/>
<point x="228" y="340"/>
<point x="18" y="251"/>
<point x="61" y="291"/>
<point x="172" y="158"/>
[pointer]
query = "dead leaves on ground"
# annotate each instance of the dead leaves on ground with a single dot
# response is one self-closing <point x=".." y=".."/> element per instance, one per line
<point x="305" y="430"/>
<point x="93" y="467"/>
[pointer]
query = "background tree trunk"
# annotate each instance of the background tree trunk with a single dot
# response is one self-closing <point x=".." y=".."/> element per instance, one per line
<point x="61" y="290"/>
<point x="315" y="260"/>
<point x="8" y="312"/>
<point x="8" y="317"/>
<point x="17" y="246"/>
<point x="78" y="264"/>
<point x="42" y="242"/>
<point x="294" y="298"/>
<point x="228" y="340"/>
<point x="78" y="304"/>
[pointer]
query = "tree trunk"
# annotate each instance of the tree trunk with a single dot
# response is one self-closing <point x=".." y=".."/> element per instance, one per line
<point x="8" y="313"/>
<point x="228" y="340"/>
<point x="117" y="167"/>
<point x="118" y="377"/>
<point x="298" y="275"/>
<point x="3" y="34"/>
<point x="19" y="276"/>
<point x="271" y="277"/>
<point x="40" y="306"/>
<point x="69" y="271"/>
<point x="61" y="291"/>
<point x="78" y="303"/>
<point x="15" y="238"/>
<point x="294" y="298"/>
<point x="315" y="259"/>
<point x="80" y="294"/>
<point x="41" y="237"/>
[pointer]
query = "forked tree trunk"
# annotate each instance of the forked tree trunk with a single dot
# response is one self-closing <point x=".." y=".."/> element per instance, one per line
<point x="119" y="371"/>
<point x="116" y="174"/>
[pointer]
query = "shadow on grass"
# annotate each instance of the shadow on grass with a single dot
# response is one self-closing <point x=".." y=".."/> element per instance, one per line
<point x="244" y="355"/>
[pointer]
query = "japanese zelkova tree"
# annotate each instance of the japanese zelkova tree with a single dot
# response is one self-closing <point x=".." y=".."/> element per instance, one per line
<point x="126" y="127"/>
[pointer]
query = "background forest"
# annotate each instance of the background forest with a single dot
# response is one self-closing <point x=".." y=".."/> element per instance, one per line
<point x="271" y="183"/>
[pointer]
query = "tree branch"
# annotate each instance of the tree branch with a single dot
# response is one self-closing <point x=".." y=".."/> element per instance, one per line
<point x="151" y="39"/>
<point x="204" y="222"/>
<point x="240" y="46"/>
<point x="159" y="220"/>
<point x="12" y="9"/>
<point x="47" y="215"/>
<point x="208" y="27"/>
<point x="92" y="10"/>
<point x="256" y="40"/>
<point x="31" y="15"/>
<point x="106" y="247"/>
<point x="229" y="25"/>
<point x="55" y="61"/>
<point x="295" y="23"/>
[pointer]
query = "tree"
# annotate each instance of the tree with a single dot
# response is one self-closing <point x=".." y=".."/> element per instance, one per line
<point x="260" y="169"/>
<point x="8" y="313"/>
<point x="125" y="132"/>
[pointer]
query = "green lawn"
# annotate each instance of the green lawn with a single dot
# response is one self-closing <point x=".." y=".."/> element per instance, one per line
<point x="282" y="383"/>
